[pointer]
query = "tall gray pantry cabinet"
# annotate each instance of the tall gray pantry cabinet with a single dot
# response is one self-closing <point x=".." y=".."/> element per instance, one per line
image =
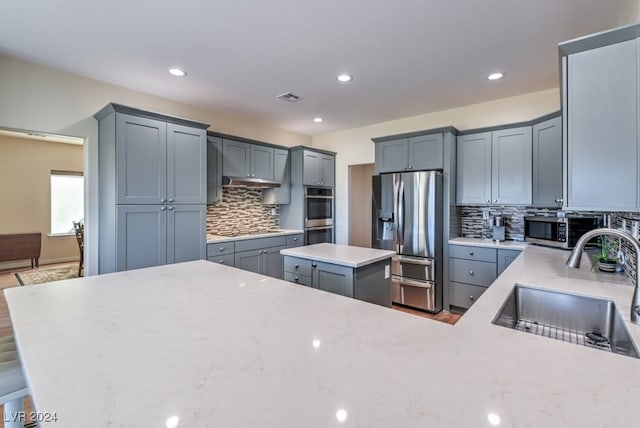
<point x="152" y="189"/>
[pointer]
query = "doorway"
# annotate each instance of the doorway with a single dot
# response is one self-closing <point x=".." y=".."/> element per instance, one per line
<point x="360" y="204"/>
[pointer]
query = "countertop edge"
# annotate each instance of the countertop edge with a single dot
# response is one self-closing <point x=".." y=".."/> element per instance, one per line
<point x="284" y="232"/>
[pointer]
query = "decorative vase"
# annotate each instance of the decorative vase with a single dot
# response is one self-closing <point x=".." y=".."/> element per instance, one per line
<point x="607" y="265"/>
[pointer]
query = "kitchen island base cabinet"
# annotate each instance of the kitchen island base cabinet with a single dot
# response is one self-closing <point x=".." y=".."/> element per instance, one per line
<point x="369" y="283"/>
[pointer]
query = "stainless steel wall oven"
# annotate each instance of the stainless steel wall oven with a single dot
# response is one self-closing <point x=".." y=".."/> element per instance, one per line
<point x="319" y="209"/>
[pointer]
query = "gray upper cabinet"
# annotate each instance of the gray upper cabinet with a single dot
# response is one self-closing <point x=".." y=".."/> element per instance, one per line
<point x="474" y="169"/>
<point x="318" y="169"/>
<point x="511" y="166"/>
<point x="141" y="159"/>
<point x="214" y="170"/>
<point x="495" y="167"/>
<point x="186" y="165"/>
<point x="600" y="99"/>
<point x="413" y="153"/>
<point x="242" y="159"/>
<point x="282" y="174"/>
<point x="546" y="187"/>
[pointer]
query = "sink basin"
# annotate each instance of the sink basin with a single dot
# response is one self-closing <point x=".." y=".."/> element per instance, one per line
<point x="586" y="321"/>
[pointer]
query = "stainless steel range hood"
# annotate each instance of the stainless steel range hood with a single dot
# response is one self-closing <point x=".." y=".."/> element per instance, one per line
<point x="259" y="183"/>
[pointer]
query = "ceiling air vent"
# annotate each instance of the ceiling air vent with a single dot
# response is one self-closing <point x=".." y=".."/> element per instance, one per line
<point x="289" y="97"/>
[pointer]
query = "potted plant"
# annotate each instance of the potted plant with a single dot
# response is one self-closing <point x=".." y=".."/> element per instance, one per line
<point x="607" y="258"/>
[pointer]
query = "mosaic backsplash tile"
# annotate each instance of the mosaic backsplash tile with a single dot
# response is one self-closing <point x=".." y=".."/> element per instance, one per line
<point x="241" y="212"/>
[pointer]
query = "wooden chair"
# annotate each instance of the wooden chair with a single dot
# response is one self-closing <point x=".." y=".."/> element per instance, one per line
<point x="79" y="229"/>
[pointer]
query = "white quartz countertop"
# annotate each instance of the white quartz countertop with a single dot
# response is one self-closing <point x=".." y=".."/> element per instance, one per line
<point x="489" y="243"/>
<point x="345" y="255"/>
<point x="214" y="239"/>
<point x="219" y="347"/>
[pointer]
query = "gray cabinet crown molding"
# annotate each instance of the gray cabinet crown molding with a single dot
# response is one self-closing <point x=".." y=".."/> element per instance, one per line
<point x="313" y="149"/>
<point x="244" y="140"/>
<point x="119" y="108"/>
<point x="598" y="40"/>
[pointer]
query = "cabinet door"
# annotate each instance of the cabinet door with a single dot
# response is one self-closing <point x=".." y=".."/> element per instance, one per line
<point x="546" y="187"/>
<point x="511" y="166"/>
<point x="186" y="165"/>
<point x="505" y="258"/>
<point x="186" y="233"/>
<point x="214" y="170"/>
<point x="141" y="239"/>
<point x="333" y="278"/>
<point x="282" y="174"/>
<point x="473" y="186"/>
<point x="249" y="260"/>
<point x="141" y="159"/>
<point x="426" y="152"/>
<point x="236" y="158"/>
<point x="310" y="168"/>
<point x="326" y="170"/>
<point x="602" y="128"/>
<point x="273" y="262"/>
<point x="391" y="156"/>
<point x="261" y="162"/>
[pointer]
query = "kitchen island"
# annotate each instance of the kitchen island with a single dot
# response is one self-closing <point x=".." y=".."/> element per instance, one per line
<point x="361" y="273"/>
<point x="215" y="346"/>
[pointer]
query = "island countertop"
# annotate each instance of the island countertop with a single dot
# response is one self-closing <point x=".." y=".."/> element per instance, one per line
<point x="345" y="255"/>
<point x="217" y="346"/>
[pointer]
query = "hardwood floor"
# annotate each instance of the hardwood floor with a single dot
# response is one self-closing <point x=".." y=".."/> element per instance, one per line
<point x="8" y="280"/>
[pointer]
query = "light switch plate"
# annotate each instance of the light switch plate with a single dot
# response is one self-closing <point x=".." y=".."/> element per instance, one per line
<point x="387" y="271"/>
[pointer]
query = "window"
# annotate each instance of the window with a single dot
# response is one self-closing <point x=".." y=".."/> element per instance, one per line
<point x="67" y="201"/>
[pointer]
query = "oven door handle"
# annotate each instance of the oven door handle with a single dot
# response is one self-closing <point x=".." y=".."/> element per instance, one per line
<point x="319" y="228"/>
<point x="318" y="197"/>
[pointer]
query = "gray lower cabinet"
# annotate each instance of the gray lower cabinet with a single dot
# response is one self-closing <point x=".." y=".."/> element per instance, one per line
<point x="333" y="278"/>
<point x="367" y="283"/>
<point x="222" y="253"/>
<point x="600" y="99"/>
<point x="472" y="270"/>
<point x="265" y="261"/>
<point x="495" y="167"/>
<point x="153" y="235"/>
<point x="546" y="187"/>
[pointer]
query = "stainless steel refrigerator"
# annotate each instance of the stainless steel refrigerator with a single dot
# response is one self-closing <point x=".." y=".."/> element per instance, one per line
<point x="407" y="218"/>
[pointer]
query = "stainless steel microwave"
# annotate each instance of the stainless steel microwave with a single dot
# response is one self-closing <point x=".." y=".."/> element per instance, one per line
<point x="558" y="232"/>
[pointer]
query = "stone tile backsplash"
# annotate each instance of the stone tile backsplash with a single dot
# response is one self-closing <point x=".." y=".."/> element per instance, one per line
<point x="241" y="212"/>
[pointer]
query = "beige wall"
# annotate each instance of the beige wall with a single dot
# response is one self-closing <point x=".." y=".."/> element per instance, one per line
<point x="360" y="204"/>
<point x="354" y="146"/>
<point x="25" y="169"/>
<point x="43" y="99"/>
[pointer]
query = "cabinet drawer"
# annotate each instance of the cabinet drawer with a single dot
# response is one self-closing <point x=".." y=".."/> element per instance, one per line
<point x="464" y="295"/>
<point x="472" y="272"/>
<point x="297" y="266"/>
<point x="219" y="249"/>
<point x="225" y="259"/>
<point x="260" y="243"/>
<point x="298" y="279"/>
<point x="295" y="240"/>
<point x="473" y="253"/>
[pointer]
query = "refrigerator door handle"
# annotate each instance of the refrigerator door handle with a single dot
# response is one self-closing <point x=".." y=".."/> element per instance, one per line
<point x="401" y="213"/>
<point x="396" y="221"/>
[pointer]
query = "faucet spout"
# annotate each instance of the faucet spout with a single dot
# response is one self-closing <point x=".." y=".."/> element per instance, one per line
<point x="576" y="255"/>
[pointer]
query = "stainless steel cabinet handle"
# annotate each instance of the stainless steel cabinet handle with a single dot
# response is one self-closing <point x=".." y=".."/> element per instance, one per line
<point x="314" y="265"/>
<point x="488" y="201"/>
<point x="410" y="166"/>
<point x="170" y="200"/>
<point x="221" y="249"/>
<point x="471" y="253"/>
<point x="471" y="272"/>
<point x="265" y="251"/>
<point x="163" y="200"/>
<point x="495" y="201"/>
<point x="162" y="208"/>
<point x="559" y="200"/>
<point x="296" y="279"/>
<point x="221" y="261"/>
<point x="170" y="208"/>
<point x="470" y="297"/>
<point x="295" y="239"/>
<point x="296" y="266"/>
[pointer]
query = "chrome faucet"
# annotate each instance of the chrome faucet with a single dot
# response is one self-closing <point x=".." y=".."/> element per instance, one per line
<point x="576" y="255"/>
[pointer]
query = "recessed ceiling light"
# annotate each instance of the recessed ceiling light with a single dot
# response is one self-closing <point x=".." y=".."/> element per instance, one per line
<point x="317" y="119"/>
<point x="344" y="78"/>
<point x="174" y="71"/>
<point x="495" y="76"/>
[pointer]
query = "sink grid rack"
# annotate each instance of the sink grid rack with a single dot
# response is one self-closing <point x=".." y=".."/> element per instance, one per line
<point x="565" y="335"/>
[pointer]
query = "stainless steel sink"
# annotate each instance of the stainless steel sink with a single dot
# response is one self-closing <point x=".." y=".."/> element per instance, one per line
<point x="586" y="321"/>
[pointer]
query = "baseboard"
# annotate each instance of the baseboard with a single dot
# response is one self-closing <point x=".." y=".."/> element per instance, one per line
<point x="27" y="263"/>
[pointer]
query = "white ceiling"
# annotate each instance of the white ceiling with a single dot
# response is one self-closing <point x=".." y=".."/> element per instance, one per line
<point x="408" y="57"/>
